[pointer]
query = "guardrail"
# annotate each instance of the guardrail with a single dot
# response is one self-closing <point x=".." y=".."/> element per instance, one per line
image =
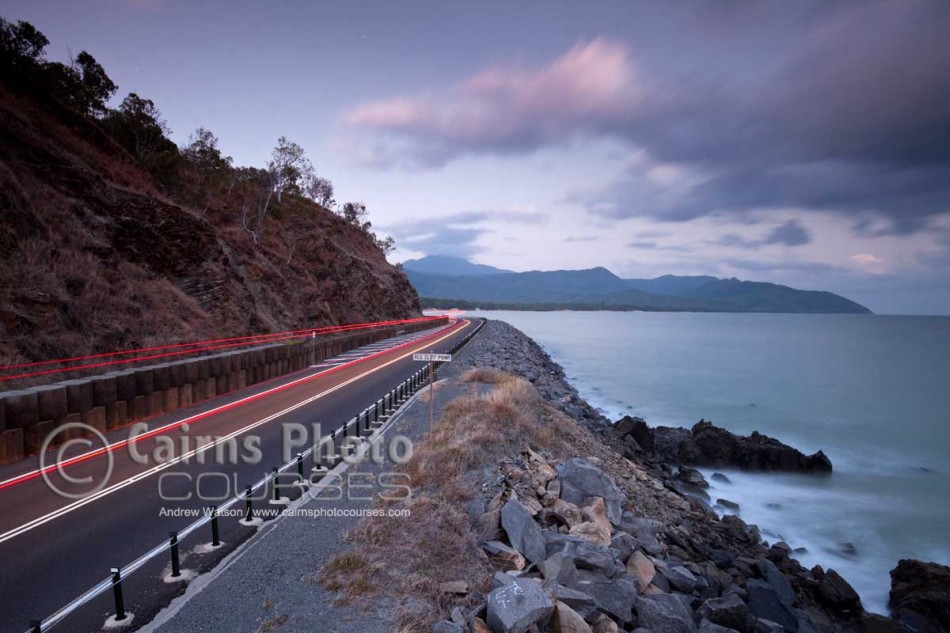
<point x="322" y="458"/>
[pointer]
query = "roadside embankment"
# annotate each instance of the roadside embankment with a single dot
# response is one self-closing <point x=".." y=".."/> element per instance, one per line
<point x="114" y="399"/>
<point x="524" y="519"/>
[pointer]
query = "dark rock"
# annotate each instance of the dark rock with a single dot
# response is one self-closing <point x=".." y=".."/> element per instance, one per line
<point x="446" y="626"/>
<point x="637" y="429"/>
<point x="767" y="626"/>
<point x="581" y="479"/>
<point x="709" y="445"/>
<point x="837" y="593"/>
<point x="693" y="477"/>
<point x="612" y="596"/>
<point x="847" y="549"/>
<point x="623" y="544"/>
<point x="874" y="623"/>
<point x="586" y="555"/>
<point x="729" y="505"/>
<point x="517" y="606"/>
<point x="669" y="441"/>
<point x="728" y="611"/>
<point x="577" y="600"/>
<point x="558" y="568"/>
<point x="650" y="545"/>
<point x="680" y="578"/>
<point x="765" y="603"/>
<point x="664" y="613"/>
<point x="524" y="534"/>
<point x="920" y="595"/>
<point x="777" y="580"/>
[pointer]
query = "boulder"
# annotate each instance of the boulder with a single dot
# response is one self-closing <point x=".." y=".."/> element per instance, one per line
<point x="603" y="624"/>
<point x="729" y="505"/>
<point x="835" y="592"/>
<point x="505" y="557"/>
<point x="709" y="445"/>
<point x="558" y="568"/>
<point x="637" y="429"/>
<point x="641" y="568"/>
<point x="778" y="581"/>
<point x="623" y="544"/>
<point x="566" y="512"/>
<point x="765" y="603"/>
<point x="664" y="613"/>
<point x="524" y="534"/>
<point x="692" y="477"/>
<point x="577" y="600"/>
<point x="920" y="595"/>
<point x="595" y="527"/>
<point x="612" y="596"/>
<point x="678" y="576"/>
<point x="584" y="554"/>
<point x="729" y="611"/>
<point x="517" y="606"/>
<point x="567" y="620"/>
<point x="581" y="479"/>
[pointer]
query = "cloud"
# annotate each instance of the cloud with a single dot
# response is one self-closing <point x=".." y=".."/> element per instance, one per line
<point x="454" y="234"/>
<point x="591" y="88"/>
<point x="850" y="117"/>
<point x="791" y="233"/>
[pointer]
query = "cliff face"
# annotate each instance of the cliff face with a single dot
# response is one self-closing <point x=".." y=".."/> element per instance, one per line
<point x="95" y="257"/>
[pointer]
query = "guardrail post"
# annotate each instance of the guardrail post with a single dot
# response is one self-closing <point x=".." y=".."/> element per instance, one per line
<point x="117" y="594"/>
<point x="249" y="505"/>
<point x="173" y="545"/>
<point x="215" y="532"/>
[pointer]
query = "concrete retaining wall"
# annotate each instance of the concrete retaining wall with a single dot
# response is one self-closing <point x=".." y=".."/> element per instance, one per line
<point x="104" y="402"/>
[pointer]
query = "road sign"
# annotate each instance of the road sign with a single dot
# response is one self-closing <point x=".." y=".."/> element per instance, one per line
<point x="437" y="358"/>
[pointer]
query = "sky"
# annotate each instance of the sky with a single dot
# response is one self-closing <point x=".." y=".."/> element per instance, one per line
<point x="804" y="143"/>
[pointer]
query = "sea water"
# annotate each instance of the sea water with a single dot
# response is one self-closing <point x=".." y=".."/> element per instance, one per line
<point x="873" y="392"/>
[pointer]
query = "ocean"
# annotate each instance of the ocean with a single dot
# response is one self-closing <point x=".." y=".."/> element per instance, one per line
<point x="873" y="392"/>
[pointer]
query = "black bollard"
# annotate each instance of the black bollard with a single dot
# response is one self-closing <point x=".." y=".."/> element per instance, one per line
<point x="173" y="545"/>
<point x="249" y="505"/>
<point x="215" y="533"/>
<point x="117" y="594"/>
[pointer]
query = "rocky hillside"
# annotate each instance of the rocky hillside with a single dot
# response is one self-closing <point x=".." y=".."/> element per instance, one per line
<point x="96" y="253"/>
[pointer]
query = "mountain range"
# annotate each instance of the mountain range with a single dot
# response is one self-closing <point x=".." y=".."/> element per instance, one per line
<point x="444" y="281"/>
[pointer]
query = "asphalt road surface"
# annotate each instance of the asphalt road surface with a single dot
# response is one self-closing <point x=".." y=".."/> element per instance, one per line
<point x="53" y="548"/>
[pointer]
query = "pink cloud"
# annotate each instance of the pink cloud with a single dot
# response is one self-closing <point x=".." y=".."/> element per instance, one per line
<point x="594" y="85"/>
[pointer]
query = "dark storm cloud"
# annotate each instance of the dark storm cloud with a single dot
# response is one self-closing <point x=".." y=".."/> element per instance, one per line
<point x="852" y="115"/>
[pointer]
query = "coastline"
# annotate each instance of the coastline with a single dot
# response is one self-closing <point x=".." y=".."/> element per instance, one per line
<point x="553" y="384"/>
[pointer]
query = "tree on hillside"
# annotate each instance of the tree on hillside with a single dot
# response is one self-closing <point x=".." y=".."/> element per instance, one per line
<point x="356" y="214"/>
<point x="96" y="88"/>
<point x="21" y="42"/>
<point x="320" y="190"/>
<point x="138" y="126"/>
<point x="202" y="151"/>
<point x="289" y="167"/>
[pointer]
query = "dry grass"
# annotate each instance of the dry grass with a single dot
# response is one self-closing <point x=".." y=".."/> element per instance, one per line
<point x="409" y="557"/>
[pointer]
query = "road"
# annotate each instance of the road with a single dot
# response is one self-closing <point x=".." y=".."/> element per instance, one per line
<point x="52" y="548"/>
